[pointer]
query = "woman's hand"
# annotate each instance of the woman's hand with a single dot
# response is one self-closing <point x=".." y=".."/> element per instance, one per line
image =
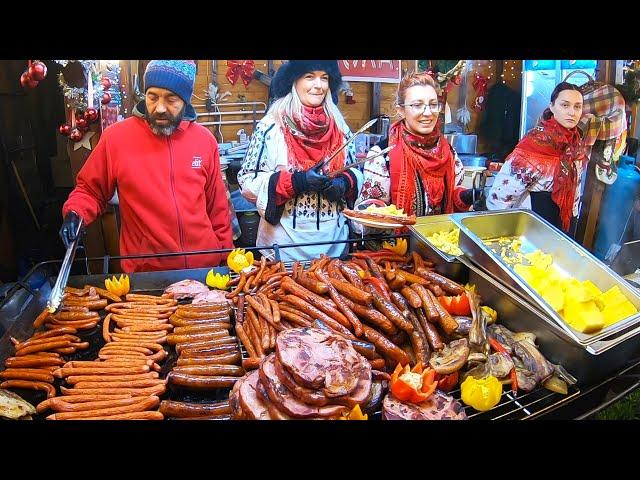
<point x="336" y="188"/>
<point x="309" y="181"/>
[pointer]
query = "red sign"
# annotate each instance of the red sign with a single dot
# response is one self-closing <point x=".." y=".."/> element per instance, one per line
<point x="386" y="71"/>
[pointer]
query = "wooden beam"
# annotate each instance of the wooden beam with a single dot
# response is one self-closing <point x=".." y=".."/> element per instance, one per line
<point x="375" y="99"/>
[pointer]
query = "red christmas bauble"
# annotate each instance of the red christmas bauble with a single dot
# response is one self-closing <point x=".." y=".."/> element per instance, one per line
<point x="26" y="81"/>
<point x="65" y="129"/>
<point x="38" y="70"/>
<point x="82" y="123"/>
<point x="106" y="98"/>
<point x="91" y="114"/>
<point x="76" y="135"/>
<point x="106" y="83"/>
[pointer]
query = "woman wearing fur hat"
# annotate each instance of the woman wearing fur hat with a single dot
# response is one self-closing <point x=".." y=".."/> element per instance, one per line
<point x="281" y="172"/>
<point x="422" y="173"/>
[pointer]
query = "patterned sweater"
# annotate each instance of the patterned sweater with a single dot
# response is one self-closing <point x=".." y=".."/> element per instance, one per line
<point x="308" y="217"/>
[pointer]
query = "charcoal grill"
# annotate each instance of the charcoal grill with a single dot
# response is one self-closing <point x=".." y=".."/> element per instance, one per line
<point x="22" y="304"/>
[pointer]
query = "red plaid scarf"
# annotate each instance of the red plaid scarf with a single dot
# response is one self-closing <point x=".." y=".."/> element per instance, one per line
<point x="313" y="137"/>
<point x="431" y="157"/>
<point x="553" y="149"/>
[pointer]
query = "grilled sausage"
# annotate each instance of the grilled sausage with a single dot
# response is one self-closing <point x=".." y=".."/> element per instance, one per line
<point x="232" y="358"/>
<point x="311" y="284"/>
<point x="352" y="292"/>
<point x="148" y="415"/>
<point x="339" y="301"/>
<point x="206" y="344"/>
<point x="174" y="409"/>
<point x="144" y="403"/>
<point x="211" y="370"/>
<point x="390" y="311"/>
<point x="385" y="346"/>
<point x="427" y="302"/>
<point x="35" y="374"/>
<point x="314" y="302"/>
<point x="315" y="313"/>
<point x="30" y="385"/>
<point x="448" y="324"/>
<point x="73" y="379"/>
<point x="173" y="339"/>
<point x="200" y="382"/>
<point x="447" y="285"/>
<point x="430" y="331"/>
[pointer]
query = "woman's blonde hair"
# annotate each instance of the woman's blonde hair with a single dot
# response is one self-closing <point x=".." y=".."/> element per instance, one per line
<point x="291" y="106"/>
<point x="411" y="80"/>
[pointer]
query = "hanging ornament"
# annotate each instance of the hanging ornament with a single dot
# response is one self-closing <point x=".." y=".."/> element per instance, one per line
<point x="75" y="135"/>
<point x="82" y="123"/>
<point x="65" y="129"/>
<point x="480" y="86"/>
<point x="91" y="115"/>
<point x="243" y="69"/>
<point x="106" y="98"/>
<point x="26" y="81"/>
<point x="106" y="83"/>
<point x="37" y="70"/>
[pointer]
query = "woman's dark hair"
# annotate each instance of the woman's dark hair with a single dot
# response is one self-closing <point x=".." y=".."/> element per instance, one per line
<point x="561" y="87"/>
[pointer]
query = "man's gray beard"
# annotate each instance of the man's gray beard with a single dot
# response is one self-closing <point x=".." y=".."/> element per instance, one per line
<point x="163" y="131"/>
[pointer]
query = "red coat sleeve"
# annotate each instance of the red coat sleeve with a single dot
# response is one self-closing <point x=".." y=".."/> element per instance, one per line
<point x="218" y="203"/>
<point x="458" y="204"/>
<point x="95" y="184"/>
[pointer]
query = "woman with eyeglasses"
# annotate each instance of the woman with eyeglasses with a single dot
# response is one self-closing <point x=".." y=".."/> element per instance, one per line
<point x="284" y="172"/>
<point x="422" y="173"/>
<point x="544" y="171"/>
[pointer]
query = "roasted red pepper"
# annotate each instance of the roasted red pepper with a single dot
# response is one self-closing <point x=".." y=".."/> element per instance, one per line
<point x="413" y="385"/>
<point x="498" y="347"/>
<point x="379" y="285"/>
<point x="457" y="305"/>
<point x="447" y="382"/>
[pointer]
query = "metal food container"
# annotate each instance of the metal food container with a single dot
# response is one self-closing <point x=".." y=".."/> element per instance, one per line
<point x="589" y="364"/>
<point x="535" y="233"/>
<point x="447" y="265"/>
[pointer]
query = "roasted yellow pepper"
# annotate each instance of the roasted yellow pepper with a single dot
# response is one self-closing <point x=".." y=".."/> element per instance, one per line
<point x="400" y="246"/>
<point x="118" y="286"/>
<point x="238" y="259"/>
<point x="482" y="394"/>
<point x="215" y="280"/>
<point x="355" y="414"/>
<point x="491" y="312"/>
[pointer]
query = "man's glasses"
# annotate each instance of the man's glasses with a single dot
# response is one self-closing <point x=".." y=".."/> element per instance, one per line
<point x="421" y="108"/>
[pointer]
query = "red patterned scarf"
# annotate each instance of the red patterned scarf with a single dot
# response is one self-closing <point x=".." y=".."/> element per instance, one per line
<point x="554" y="149"/>
<point x="431" y="157"/>
<point x="313" y="137"/>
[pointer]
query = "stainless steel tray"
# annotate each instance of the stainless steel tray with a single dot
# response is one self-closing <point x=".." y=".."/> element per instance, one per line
<point x="447" y="265"/>
<point x="589" y="364"/>
<point x="535" y="233"/>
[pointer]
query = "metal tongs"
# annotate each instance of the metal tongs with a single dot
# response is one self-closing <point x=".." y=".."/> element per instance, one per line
<point x="55" y="297"/>
<point x="322" y="163"/>
<point x="359" y="162"/>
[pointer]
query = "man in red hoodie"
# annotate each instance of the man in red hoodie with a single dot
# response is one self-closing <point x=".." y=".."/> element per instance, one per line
<point x="167" y="171"/>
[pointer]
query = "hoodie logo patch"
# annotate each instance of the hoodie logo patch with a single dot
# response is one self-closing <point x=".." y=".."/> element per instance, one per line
<point x="196" y="162"/>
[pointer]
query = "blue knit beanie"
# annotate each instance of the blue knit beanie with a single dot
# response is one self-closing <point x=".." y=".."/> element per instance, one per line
<point x="175" y="75"/>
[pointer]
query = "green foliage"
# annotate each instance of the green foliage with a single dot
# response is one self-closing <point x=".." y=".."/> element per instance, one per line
<point x="626" y="409"/>
<point x="438" y="65"/>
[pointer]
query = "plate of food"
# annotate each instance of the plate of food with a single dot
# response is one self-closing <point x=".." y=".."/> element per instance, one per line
<point x="378" y="215"/>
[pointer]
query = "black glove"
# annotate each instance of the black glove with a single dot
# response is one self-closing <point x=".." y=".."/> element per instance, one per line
<point x="467" y="196"/>
<point x="69" y="228"/>
<point x="336" y="188"/>
<point x="308" y="181"/>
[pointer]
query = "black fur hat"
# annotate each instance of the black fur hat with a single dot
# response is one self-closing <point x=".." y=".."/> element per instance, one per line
<point x="289" y="72"/>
